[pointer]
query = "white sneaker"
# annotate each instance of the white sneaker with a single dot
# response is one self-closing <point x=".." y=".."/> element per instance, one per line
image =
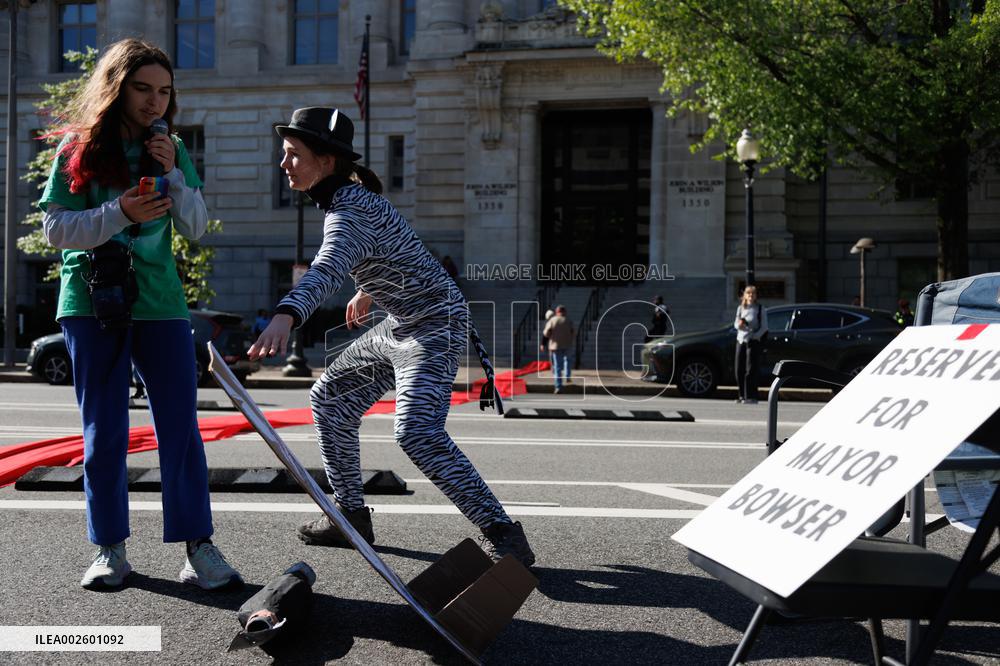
<point x="208" y="569"/>
<point x="108" y="569"/>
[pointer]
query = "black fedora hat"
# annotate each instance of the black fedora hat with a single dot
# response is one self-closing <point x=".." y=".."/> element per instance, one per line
<point x="324" y="124"/>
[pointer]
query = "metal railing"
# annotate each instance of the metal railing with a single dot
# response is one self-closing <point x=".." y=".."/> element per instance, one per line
<point x="543" y="297"/>
<point x="590" y="314"/>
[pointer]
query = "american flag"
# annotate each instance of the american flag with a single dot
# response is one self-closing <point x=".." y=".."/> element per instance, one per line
<point x="360" y="95"/>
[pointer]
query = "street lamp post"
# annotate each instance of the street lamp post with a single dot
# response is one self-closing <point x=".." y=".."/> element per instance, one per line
<point x="748" y="152"/>
<point x="862" y="246"/>
<point x="296" y="362"/>
<point x="10" y="198"/>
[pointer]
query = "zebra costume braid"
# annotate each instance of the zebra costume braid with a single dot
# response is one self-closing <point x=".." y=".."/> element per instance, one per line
<point x="415" y="350"/>
<point x="489" y="396"/>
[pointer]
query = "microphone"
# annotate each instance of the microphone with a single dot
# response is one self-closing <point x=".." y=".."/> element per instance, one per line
<point x="158" y="126"/>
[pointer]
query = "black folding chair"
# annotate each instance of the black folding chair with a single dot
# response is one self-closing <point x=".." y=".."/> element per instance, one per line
<point x="880" y="578"/>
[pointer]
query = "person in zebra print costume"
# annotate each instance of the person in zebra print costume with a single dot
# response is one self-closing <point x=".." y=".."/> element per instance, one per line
<point x="414" y="349"/>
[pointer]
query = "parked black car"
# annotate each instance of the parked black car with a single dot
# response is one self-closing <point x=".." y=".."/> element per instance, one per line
<point x="50" y="360"/>
<point x="841" y="337"/>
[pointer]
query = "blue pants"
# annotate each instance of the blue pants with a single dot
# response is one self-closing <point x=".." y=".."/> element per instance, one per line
<point x="560" y="365"/>
<point x="163" y="354"/>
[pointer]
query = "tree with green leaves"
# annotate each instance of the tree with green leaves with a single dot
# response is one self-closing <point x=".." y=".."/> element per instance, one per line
<point x="194" y="261"/>
<point x="902" y="89"/>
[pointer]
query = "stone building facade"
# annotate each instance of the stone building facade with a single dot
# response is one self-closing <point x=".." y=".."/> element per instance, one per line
<point x="502" y="135"/>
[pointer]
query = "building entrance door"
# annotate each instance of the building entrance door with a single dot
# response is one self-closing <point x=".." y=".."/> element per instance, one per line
<point x="595" y="190"/>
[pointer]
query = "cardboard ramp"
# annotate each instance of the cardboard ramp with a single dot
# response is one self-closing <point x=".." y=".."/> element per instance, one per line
<point x="464" y="596"/>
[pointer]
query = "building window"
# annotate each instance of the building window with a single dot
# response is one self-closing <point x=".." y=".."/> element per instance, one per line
<point x="77" y="31"/>
<point x="194" y="142"/>
<point x="282" y="192"/>
<point x="407" y="24"/>
<point x="315" y="31"/>
<point x="395" y="162"/>
<point x="194" y="34"/>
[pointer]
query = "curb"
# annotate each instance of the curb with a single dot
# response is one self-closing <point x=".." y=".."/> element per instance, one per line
<point x="17" y="376"/>
<point x="220" y="479"/>
<point x="599" y="414"/>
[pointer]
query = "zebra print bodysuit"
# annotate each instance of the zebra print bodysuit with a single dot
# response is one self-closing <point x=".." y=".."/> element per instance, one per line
<point x="415" y="349"/>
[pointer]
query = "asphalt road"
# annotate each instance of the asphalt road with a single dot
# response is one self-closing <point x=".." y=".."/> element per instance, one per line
<point x="598" y="499"/>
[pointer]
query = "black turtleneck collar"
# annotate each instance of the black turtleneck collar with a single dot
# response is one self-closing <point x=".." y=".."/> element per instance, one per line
<point x="322" y="192"/>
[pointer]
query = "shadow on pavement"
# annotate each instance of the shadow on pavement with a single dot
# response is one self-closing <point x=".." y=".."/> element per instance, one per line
<point x="229" y="598"/>
<point x="406" y="552"/>
<point x="335" y="624"/>
<point x="632" y="586"/>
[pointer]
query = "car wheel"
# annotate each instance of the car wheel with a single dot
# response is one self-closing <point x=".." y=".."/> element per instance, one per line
<point x="57" y="368"/>
<point x="854" y="367"/>
<point x="697" y="377"/>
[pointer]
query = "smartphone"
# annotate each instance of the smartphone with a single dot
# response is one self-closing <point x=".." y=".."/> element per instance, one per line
<point x="150" y="184"/>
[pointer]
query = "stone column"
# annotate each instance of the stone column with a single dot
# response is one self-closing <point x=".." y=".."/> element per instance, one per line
<point x="124" y="18"/>
<point x="442" y="30"/>
<point x="694" y="239"/>
<point x="447" y="14"/>
<point x="382" y="46"/>
<point x="379" y="11"/>
<point x="528" y="186"/>
<point x="244" y="32"/>
<point x="658" y="186"/>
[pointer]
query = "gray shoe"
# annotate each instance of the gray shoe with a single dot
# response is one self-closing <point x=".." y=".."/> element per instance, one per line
<point x="501" y="539"/>
<point x="208" y="569"/>
<point x="322" y="531"/>
<point x="108" y="570"/>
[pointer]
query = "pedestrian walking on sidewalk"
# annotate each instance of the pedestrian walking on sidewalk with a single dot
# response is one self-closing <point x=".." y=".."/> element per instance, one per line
<point x="415" y="349"/>
<point x="751" y="326"/>
<point x="121" y="303"/>
<point x="561" y="335"/>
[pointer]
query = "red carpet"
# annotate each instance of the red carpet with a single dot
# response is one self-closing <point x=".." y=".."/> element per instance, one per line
<point x="18" y="459"/>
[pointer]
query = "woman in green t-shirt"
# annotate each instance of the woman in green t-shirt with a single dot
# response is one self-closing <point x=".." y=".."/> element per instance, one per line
<point x="92" y="199"/>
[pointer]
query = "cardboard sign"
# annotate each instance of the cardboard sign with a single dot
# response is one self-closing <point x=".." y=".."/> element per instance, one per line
<point x="463" y="596"/>
<point x="920" y="398"/>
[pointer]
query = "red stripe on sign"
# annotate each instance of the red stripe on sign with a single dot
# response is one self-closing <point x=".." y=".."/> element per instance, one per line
<point x="972" y="331"/>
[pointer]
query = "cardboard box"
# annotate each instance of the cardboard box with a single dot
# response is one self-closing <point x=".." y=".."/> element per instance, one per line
<point x="470" y="595"/>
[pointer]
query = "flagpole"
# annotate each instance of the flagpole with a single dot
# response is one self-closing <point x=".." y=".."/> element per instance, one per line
<point x="368" y="76"/>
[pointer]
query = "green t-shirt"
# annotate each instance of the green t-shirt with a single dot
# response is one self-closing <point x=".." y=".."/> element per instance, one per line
<point x="161" y="295"/>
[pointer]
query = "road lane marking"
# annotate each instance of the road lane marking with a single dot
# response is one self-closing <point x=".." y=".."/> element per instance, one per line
<point x="513" y="509"/>
<point x="53" y="433"/>
<point x="534" y="441"/>
<point x="398" y="509"/>
<point x="664" y="490"/>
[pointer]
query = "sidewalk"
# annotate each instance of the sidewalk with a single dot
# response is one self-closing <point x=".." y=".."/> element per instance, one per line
<point x="596" y="382"/>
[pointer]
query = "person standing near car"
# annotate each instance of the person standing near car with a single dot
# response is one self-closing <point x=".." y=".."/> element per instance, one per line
<point x="94" y="213"/>
<point x="561" y="335"/>
<point x="661" y="315"/>
<point x="751" y="325"/>
<point x="415" y="349"/>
